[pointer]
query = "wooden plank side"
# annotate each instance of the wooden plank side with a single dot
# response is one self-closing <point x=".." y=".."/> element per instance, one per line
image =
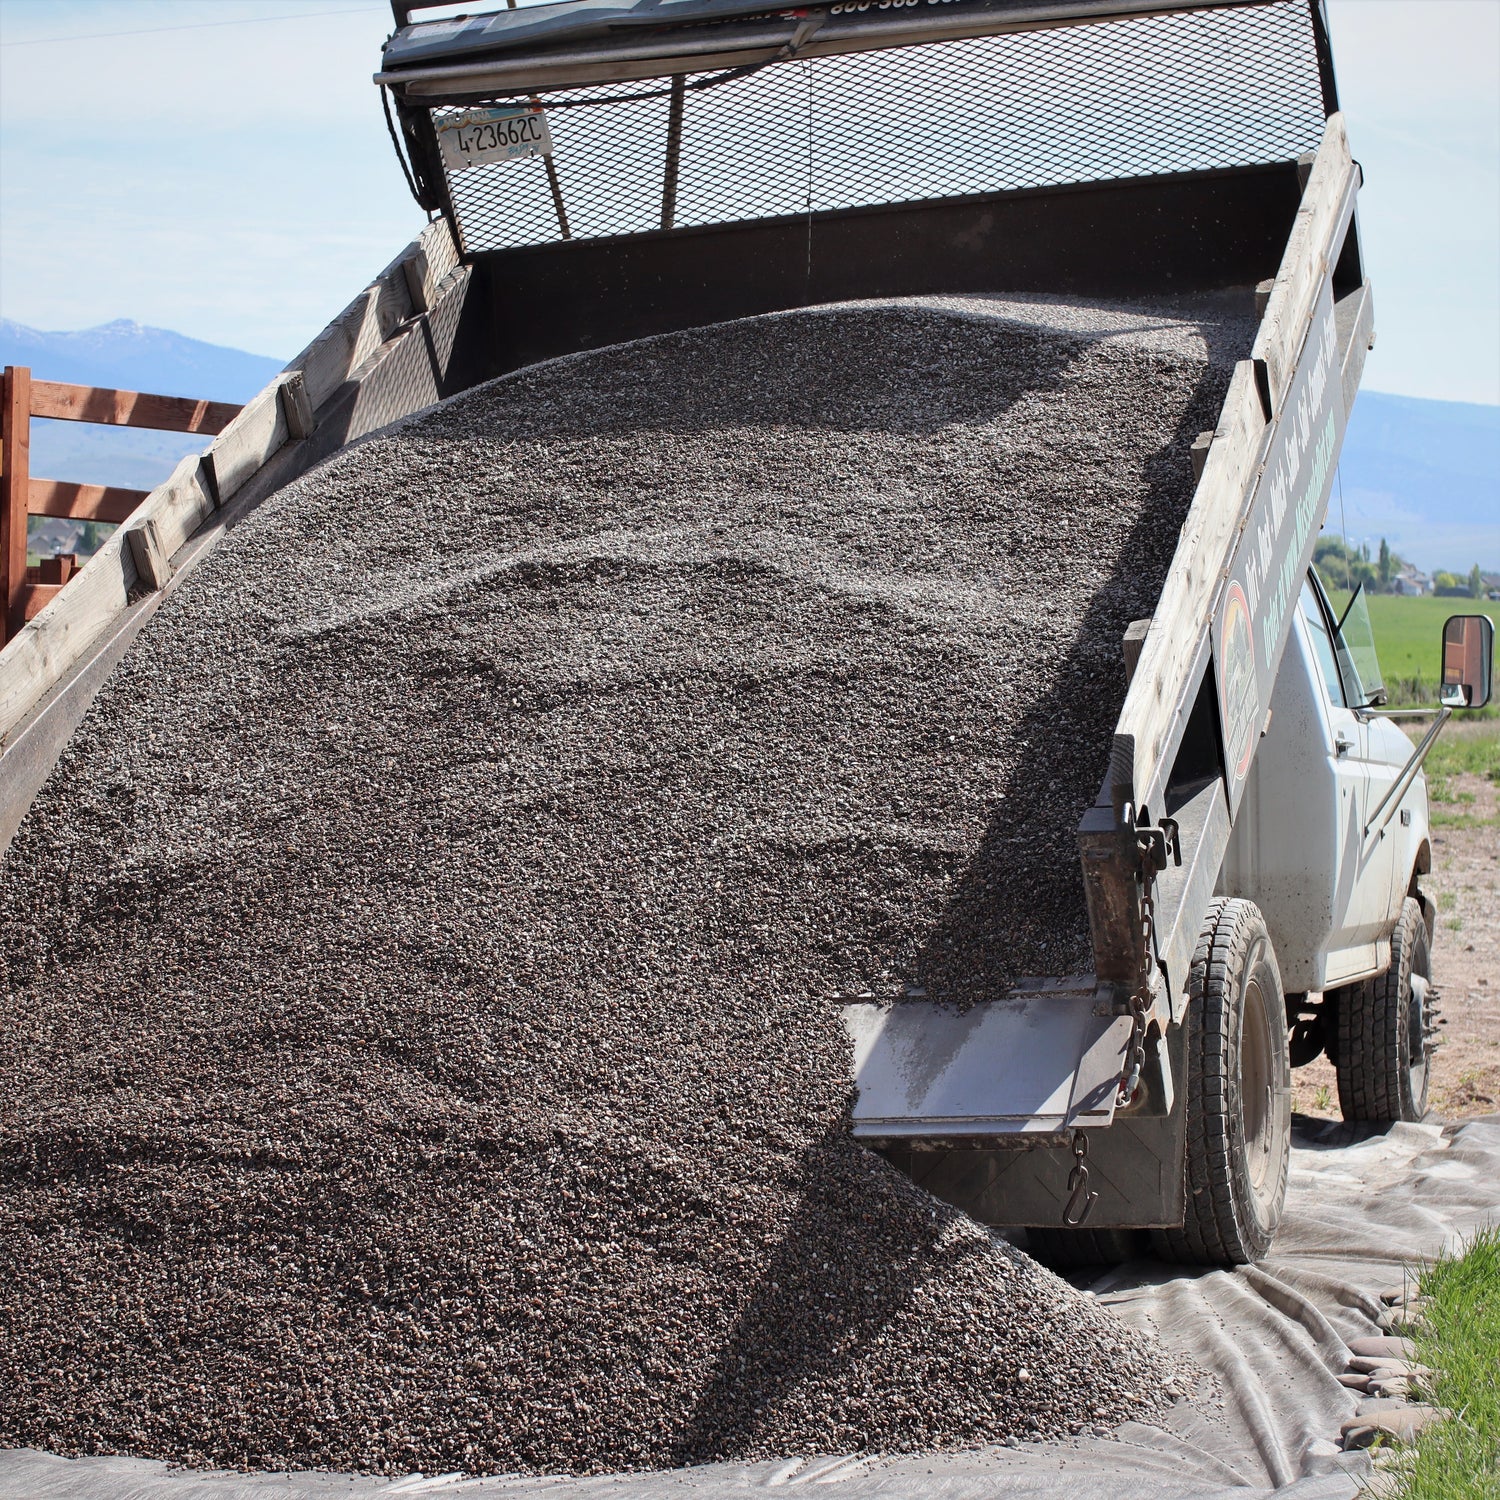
<point x="179" y="507"/>
<point x="436" y="258"/>
<point x="83" y="502"/>
<point x="401" y="378"/>
<point x="153" y="564"/>
<point x="1149" y="720"/>
<point x="410" y="285"/>
<point x="61" y="634"/>
<point x="1327" y="202"/>
<point x="15" y="492"/>
<point x="248" y="441"/>
<point x="296" y="406"/>
<point x="352" y="337"/>
<point x="92" y="403"/>
<point x="1185" y="605"/>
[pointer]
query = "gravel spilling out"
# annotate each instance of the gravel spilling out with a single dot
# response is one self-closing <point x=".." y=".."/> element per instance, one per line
<point x="422" y="968"/>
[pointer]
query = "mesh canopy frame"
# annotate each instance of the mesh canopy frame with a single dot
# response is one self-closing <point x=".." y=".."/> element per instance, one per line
<point x="1129" y="97"/>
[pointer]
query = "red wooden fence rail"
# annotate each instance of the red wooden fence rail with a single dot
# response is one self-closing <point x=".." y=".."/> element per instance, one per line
<point x="24" y="591"/>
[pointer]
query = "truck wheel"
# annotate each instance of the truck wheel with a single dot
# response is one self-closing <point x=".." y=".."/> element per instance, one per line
<point x="1382" y="1043"/>
<point x="1066" y="1247"/>
<point x="1239" y="1087"/>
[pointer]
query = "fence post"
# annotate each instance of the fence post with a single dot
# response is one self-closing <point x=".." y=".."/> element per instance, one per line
<point x="15" y="493"/>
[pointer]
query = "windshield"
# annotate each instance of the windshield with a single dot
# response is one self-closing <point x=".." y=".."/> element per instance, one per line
<point x="1354" y="642"/>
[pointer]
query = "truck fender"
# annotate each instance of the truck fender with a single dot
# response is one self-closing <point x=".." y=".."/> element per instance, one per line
<point x="1428" y="905"/>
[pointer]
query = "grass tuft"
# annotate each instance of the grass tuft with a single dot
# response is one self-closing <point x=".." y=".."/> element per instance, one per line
<point x="1459" y="1338"/>
<point x="1465" y="747"/>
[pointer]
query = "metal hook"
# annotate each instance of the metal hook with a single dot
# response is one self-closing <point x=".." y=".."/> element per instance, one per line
<point x="1081" y="1201"/>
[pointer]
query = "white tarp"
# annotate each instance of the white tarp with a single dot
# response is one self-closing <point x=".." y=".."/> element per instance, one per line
<point x="1270" y="1338"/>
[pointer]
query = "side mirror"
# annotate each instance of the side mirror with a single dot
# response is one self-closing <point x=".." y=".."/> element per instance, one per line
<point x="1468" y="655"/>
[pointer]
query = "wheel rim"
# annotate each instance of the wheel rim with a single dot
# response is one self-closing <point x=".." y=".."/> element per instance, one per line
<point x="1257" y="1089"/>
<point x="1416" y="1024"/>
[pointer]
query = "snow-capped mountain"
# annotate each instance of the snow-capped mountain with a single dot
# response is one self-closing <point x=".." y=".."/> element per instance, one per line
<point x="132" y="356"/>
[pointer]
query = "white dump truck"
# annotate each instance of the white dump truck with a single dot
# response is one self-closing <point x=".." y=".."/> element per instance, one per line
<point x="601" y="170"/>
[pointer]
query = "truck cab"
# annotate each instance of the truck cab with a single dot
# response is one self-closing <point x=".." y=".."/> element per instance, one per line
<point x="1330" y="844"/>
<point x="1326" y="760"/>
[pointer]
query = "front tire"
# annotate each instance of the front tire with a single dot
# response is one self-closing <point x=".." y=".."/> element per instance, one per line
<point x="1382" y="1031"/>
<point x="1239" y="1090"/>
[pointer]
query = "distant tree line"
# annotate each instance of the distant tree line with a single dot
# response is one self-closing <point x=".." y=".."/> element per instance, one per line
<point x="1342" y="566"/>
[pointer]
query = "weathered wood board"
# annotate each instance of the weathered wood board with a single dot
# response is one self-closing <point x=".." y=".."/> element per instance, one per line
<point x="1161" y="691"/>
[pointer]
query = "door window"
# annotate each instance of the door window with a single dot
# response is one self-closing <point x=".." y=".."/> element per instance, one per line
<point x="1322" y="639"/>
<point x="1354" y="642"/>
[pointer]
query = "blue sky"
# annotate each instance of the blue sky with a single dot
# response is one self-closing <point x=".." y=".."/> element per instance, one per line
<point x="221" y="167"/>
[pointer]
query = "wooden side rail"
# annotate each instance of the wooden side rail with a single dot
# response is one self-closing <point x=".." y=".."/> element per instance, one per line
<point x="1175" y="648"/>
<point x="62" y="499"/>
<point x="93" y="403"/>
<point x="24" y="591"/>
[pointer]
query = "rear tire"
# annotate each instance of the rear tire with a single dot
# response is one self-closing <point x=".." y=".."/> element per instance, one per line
<point x="1239" y="1088"/>
<point x="1382" y="1042"/>
<point x="1066" y="1248"/>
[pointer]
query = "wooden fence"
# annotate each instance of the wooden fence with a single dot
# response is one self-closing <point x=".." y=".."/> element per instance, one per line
<point x="25" y="591"/>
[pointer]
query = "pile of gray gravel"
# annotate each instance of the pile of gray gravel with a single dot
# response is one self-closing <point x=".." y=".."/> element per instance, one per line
<point x="421" y="969"/>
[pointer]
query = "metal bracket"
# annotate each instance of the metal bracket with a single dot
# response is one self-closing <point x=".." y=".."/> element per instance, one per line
<point x="1160" y="844"/>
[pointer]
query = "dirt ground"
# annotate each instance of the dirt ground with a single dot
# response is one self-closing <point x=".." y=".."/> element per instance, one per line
<point x="1465" y="883"/>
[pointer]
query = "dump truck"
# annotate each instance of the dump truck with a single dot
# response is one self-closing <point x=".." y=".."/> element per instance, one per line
<point x="597" y="171"/>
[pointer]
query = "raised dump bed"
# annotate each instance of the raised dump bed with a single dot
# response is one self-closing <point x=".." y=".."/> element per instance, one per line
<point x="1150" y="171"/>
<point x="746" y="651"/>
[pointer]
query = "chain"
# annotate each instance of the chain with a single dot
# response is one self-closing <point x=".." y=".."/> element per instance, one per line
<point x="1140" y="996"/>
<point x="1080" y="1199"/>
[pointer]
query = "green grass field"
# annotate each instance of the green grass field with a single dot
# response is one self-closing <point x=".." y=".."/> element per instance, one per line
<point x="1467" y="746"/>
<point x="1409" y="634"/>
<point x="1460" y="1330"/>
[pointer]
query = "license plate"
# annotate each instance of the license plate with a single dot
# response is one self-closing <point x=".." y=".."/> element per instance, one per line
<point x="478" y="136"/>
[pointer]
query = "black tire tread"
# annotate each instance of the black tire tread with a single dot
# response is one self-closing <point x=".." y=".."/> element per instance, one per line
<point x="1371" y="1023"/>
<point x="1213" y="1232"/>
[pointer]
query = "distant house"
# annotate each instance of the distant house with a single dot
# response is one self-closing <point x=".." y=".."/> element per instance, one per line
<point x="1489" y="585"/>
<point x="1411" y="580"/>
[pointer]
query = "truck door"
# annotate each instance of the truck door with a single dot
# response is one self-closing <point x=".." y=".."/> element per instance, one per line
<point x="1362" y="896"/>
<point x="1349" y="747"/>
<point x="1388" y="859"/>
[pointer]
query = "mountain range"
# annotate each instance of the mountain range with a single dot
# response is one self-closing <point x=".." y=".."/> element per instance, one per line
<point x="1423" y="474"/>
<point x="132" y="357"/>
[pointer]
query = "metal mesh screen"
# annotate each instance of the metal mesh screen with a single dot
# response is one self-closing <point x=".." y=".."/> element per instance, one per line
<point x="1121" y="98"/>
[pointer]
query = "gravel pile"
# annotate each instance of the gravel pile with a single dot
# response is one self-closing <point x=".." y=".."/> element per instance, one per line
<point x="420" y="972"/>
